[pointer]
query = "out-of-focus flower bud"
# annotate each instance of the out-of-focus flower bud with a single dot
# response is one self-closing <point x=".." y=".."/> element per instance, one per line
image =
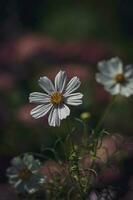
<point x="85" y="115"/>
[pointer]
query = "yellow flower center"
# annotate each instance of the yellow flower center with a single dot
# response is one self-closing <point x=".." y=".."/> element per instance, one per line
<point x="25" y="174"/>
<point x="120" y="78"/>
<point x="56" y="98"/>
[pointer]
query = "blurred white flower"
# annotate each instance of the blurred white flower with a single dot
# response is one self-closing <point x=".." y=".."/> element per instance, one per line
<point x="24" y="174"/>
<point x="56" y="98"/>
<point x="116" y="78"/>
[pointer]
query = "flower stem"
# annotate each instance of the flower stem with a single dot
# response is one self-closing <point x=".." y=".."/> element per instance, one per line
<point x="105" y="114"/>
<point x="68" y="128"/>
<point x="73" y="162"/>
<point x="85" y="137"/>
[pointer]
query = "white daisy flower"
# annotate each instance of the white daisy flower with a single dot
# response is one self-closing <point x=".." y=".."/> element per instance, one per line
<point x="24" y="174"/>
<point x="116" y="78"/>
<point x="56" y="97"/>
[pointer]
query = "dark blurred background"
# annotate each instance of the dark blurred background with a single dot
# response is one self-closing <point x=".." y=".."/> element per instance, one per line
<point x="41" y="37"/>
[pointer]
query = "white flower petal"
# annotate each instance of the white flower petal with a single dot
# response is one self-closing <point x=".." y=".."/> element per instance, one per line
<point x="128" y="71"/>
<point x="74" y="95"/>
<point x="46" y="84"/>
<point x="13" y="181"/>
<point x="63" y="111"/>
<point x="114" y="89"/>
<point x="103" y="79"/>
<point x="35" y="165"/>
<point x="126" y="91"/>
<point x="17" y="162"/>
<point x="130" y="84"/>
<point x="74" y="99"/>
<point x="73" y="102"/>
<point x="111" y="67"/>
<point x="28" y="160"/>
<point x="40" y="110"/>
<point x="73" y="85"/>
<point x="43" y="179"/>
<point x="105" y="69"/>
<point x="38" y="97"/>
<point x="53" y="118"/>
<point x="130" y="80"/>
<point x="14" y="176"/>
<point x="60" y="81"/>
<point x="17" y="183"/>
<point x="116" y="64"/>
<point x="30" y="190"/>
<point x="12" y="170"/>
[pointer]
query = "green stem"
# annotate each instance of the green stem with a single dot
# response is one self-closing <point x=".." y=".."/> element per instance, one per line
<point x="105" y="114"/>
<point x="79" y="186"/>
<point x="69" y="133"/>
<point x="85" y="136"/>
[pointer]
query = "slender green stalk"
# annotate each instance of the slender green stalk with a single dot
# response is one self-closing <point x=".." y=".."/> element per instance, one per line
<point x="68" y="128"/>
<point x="85" y="138"/>
<point x="105" y="114"/>
<point x="77" y="182"/>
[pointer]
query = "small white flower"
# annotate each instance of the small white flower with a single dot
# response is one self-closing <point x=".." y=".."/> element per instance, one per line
<point x="24" y="174"/>
<point x="116" y="78"/>
<point x="55" y="98"/>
